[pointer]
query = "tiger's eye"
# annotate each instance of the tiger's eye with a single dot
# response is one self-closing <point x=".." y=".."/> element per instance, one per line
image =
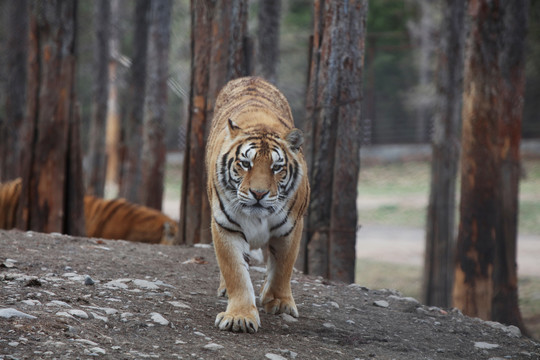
<point x="277" y="168"/>
<point x="245" y="164"/>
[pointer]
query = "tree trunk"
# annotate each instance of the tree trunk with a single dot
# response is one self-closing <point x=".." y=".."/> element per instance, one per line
<point x="15" y="91"/>
<point x="438" y="265"/>
<point x="49" y="197"/>
<point x="153" y="154"/>
<point x="112" y="137"/>
<point x="485" y="275"/>
<point x="95" y="183"/>
<point x="268" y="39"/>
<point x="218" y="43"/>
<point x="131" y="175"/>
<point x="333" y="136"/>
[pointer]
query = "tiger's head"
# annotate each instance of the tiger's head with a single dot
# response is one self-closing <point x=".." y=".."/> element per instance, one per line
<point x="259" y="169"/>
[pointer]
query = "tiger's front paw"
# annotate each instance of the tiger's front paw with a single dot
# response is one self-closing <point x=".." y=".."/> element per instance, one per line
<point x="239" y="321"/>
<point x="285" y="305"/>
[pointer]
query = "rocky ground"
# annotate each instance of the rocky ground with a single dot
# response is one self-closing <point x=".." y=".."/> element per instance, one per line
<point x="68" y="298"/>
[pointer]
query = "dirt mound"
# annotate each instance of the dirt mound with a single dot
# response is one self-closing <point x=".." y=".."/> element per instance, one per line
<point x="65" y="297"/>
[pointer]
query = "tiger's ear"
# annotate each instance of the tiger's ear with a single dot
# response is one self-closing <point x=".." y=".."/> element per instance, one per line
<point x="295" y="138"/>
<point x="233" y="129"/>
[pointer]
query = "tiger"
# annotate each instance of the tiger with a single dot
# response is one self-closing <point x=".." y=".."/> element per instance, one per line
<point x="108" y="219"/>
<point x="258" y="192"/>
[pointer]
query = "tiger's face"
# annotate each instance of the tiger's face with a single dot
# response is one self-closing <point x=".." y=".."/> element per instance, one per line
<point x="260" y="170"/>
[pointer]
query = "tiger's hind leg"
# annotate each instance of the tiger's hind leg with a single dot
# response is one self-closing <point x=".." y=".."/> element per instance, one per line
<point x="241" y="314"/>
<point x="276" y="295"/>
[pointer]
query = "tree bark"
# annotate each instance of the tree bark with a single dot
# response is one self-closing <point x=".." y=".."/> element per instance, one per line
<point x="47" y="162"/>
<point x="15" y="91"/>
<point x="218" y="43"/>
<point x="268" y="39"/>
<point x="100" y="92"/>
<point x="333" y="136"/>
<point x="153" y="154"/>
<point x="131" y="180"/>
<point x="485" y="275"/>
<point x="438" y="262"/>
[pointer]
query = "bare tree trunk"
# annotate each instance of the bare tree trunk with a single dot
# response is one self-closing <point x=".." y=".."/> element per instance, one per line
<point x="48" y="195"/>
<point x="268" y="39"/>
<point x="485" y="275"/>
<point x="95" y="183"/>
<point x="438" y="265"/>
<point x="153" y="154"/>
<point x="333" y="136"/>
<point x="131" y="175"/>
<point x="15" y="91"/>
<point x="113" y="130"/>
<point x="218" y="43"/>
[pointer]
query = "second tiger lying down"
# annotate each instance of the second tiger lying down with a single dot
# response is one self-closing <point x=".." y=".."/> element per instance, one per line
<point x="109" y="219"/>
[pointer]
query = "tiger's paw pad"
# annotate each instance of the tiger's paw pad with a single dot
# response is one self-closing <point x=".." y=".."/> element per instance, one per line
<point x="280" y="306"/>
<point x="238" y="322"/>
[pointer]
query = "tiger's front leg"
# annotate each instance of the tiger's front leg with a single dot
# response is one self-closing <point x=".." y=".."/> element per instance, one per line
<point x="241" y="314"/>
<point x="276" y="295"/>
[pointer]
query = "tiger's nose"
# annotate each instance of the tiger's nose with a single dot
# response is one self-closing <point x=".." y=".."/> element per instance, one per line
<point x="259" y="194"/>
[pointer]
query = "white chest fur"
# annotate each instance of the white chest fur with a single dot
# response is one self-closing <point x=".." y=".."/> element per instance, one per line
<point x="256" y="230"/>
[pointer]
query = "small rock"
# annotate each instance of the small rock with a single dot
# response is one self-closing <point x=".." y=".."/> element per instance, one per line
<point x="329" y="326"/>
<point x="99" y="317"/>
<point x="13" y="343"/>
<point x="274" y="356"/>
<point x="288" y="318"/>
<point x="98" y="350"/>
<point x="351" y="322"/>
<point x="180" y="304"/>
<point x="334" y="304"/>
<point x="88" y="280"/>
<point x="58" y="303"/>
<point x="87" y="342"/>
<point x="157" y="318"/>
<point x="8" y="313"/>
<point x="33" y="282"/>
<point x="213" y="347"/>
<point x="31" y="302"/>
<point x="381" y="303"/>
<point x="145" y="284"/>
<point x="78" y="313"/>
<point x="485" y="345"/>
<point x="65" y="314"/>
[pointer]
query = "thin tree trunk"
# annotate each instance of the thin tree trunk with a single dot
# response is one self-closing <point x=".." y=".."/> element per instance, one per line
<point x="218" y="43"/>
<point x="112" y="137"/>
<point x="268" y="38"/>
<point x="47" y="198"/>
<point x="333" y="136"/>
<point x="438" y="265"/>
<point x="15" y="91"/>
<point x="97" y="155"/>
<point x="153" y="154"/>
<point x="486" y="280"/>
<point x="131" y="175"/>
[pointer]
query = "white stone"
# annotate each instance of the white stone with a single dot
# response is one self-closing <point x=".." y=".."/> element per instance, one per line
<point x="65" y="314"/>
<point x="274" y="356"/>
<point x="145" y="284"/>
<point x="212" y="347"/>
<point x="8" y="313"/>
<point x="58" y="303"/>
<point x="159" y="319"/>
<point x="99" y="317"/>
<point x="31" y="302"/>
<point x="87" y="342"/>
<point x="381" y="303"/>
<point x="288" y="318"/>
<point x="329" y="326"/>
<point x="485" y="345"/>
<point x="78" y="313"/>
<point x="13" y="343"/>
<point x="98" y="350"/>
<point x="179" y="304"/>
<point x="116" y="284"/>
<point x="334" y="304"/>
